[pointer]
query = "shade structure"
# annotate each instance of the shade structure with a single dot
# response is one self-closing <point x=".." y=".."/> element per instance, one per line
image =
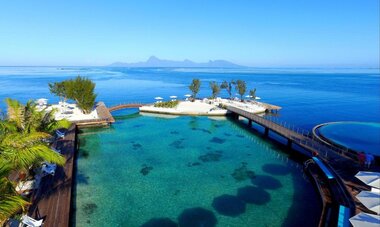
<point x="369" y="178"/>
<point x="365" y="220"/>
<point x="187" y="95"/>
<point x="248" y="96"/>
<point x="158" y="98"/>
<point x="173" y="97"/>
<point x="257" y="98"/>
<point x="371" y="200"/>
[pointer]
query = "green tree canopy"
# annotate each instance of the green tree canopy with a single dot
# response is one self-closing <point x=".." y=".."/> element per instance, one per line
<point x="81" y="90"/>
<point x="241" y="88"/>
<point x="252" y="94"/>
<point x="215" y="88"/>
<point x="194" y="87"/>
<point x="228" y="87"/>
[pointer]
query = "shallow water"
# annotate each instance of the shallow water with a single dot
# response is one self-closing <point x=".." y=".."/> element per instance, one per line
<point x="359" y="136"/>
<point x="190" y="170"/>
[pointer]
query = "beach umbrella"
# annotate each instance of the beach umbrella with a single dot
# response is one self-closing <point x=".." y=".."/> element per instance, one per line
<point x="173" y="97"/>
<point x="248" y="96"/>
<point x="257" y="98"/>
<point x="158" y="98"/>
<point x="365" y="220"/>
<point x="371" y="200"/>
<point x="369" y="178"/>
<point x="187" y="95"/>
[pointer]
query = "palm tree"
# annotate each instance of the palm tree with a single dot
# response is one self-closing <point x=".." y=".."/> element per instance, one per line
<point x="28" y="119"/>
<point x="10" y="201"/>
<point x="23" y="151"/>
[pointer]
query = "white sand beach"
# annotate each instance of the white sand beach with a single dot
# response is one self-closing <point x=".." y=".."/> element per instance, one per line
<point x="205" y="107"/>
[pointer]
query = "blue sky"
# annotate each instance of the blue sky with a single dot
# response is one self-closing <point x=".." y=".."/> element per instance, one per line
<point x="254" y="33"/>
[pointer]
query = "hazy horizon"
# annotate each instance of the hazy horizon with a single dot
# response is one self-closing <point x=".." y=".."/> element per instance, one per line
<point x="250" y="33"/>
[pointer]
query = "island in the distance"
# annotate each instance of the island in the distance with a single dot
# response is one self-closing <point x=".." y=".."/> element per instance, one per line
<point x="156" y="62"/>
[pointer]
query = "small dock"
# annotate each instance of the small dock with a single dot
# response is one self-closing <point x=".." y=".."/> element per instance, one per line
<point x="270" y="107"/>
<point x="104" y="117"/>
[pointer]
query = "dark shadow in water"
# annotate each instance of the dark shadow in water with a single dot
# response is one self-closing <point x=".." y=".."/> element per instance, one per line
<point x="89" y="208"/>
<point x="81" y="178"/>
<point x="228" y="205"/>
<point x="83" y="153"/>
<point x="276" y="169"/>
<point x="197" y="217"/>
<point x="266" y="182"/>
<point x="138" y="125"/>
<point x="227" y="134"/>
<point x="210" y="157"/>
<point x="217" y="140"/>
<point x="254" y="195"/>
<point x="243" y="173"/>
<point x="191" y="164"/>
<point x="177" y="144"/>
<point x="160" y="222"/>
<point x="145" y="170"/>
<point x="240" y="136"/>
<point x="202" y="130"/>
<point x="136" y="146"/>
<point x="174" y="132"/>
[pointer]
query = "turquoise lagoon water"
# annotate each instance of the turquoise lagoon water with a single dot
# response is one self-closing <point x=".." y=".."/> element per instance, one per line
<point x="111" y="188"/>
<point x="359" y="136"/>
<point x="195" y="171"/>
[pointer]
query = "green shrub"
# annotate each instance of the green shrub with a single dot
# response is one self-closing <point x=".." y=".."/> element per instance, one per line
<point x="169" y="104"/>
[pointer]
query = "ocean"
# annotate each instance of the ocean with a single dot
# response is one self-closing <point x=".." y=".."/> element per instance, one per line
<point x="149" y="170"/>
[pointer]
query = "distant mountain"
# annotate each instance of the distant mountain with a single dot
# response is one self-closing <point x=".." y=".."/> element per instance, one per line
<point x="156" y="62"/>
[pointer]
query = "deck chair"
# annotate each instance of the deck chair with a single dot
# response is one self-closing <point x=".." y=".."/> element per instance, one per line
<point x="30" y="222"/>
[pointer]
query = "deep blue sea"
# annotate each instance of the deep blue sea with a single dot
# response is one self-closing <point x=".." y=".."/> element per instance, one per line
<point x="308" y="96"/>
<point x="187" y="171"/>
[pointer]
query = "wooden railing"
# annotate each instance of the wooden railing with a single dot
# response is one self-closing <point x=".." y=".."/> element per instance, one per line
<point x="301" y="137"/>
<point x="125" y="106"/>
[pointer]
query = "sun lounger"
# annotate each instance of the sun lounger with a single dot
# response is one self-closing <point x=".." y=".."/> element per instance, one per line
<point x="48" y="169"/>
<point x="25" y="187"/>
<point x="30" y="222"/>
<point x="60" y="134"/>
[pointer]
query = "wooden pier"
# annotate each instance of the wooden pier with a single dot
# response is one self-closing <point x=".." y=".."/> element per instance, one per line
<point x="52" y="201"/>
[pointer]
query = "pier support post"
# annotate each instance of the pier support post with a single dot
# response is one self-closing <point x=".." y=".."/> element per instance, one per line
<point x="266" y="132"/>
<point x="289" y="144"/>
<point x="250" y="123"/>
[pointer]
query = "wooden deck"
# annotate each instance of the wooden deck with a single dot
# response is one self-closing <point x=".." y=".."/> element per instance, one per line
<point x="52" y="201"/>
<point x="105" y="117"/>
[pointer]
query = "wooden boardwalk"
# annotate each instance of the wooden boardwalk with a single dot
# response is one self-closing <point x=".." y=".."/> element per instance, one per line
<point x="125" y="106"/>
<point x="294" y="137"/>
<point x="52" y="200"/>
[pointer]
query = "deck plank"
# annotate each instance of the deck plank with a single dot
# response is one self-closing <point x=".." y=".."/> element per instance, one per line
<point x="52" y="201"/>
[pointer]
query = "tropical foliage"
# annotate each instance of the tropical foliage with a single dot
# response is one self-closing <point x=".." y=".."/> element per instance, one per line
<point x="81" y="90"/>
<point x="22" y="133"/>
<point x="194" y="87"/>
<point x="215" y="88"/>
<point x="241" y="88"/>
<point x="228" y="87"/>
<point x="10" y="201"/>
<point x="252" y="94"/>
<point x="169" y="104"/>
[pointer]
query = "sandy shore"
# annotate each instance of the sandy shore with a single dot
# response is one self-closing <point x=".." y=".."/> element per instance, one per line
<point x="204" y="108"/>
